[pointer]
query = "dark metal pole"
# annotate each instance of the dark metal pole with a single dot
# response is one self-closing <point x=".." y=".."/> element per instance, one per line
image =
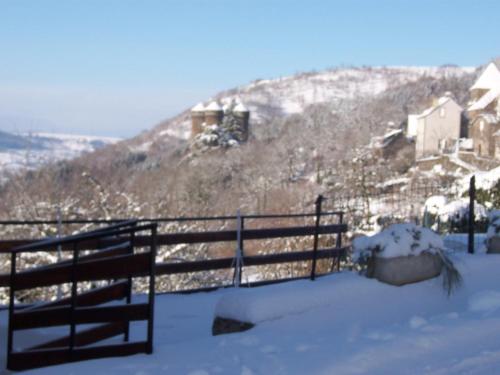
<point x="73" y="306"/>
<point x="152" y="263"/>
<point x="12" y="294"/>
<point x="319" y="200"/>
<point x="129" y="289"/>
<point x="338" y="245"/>
<point x="472" y="198"/>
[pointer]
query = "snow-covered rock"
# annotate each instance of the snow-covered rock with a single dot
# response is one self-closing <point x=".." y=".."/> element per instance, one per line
<point x="396" y="241"/>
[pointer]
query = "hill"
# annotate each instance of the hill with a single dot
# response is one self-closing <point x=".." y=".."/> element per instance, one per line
<point x="307" y="130"/>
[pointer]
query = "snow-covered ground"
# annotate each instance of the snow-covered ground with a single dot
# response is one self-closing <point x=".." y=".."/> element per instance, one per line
<point x="356" y="326"/>
<point x="38" y="148"/>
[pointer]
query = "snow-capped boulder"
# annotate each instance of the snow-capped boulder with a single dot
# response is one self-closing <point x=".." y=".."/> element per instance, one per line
<point x="401" y="254"/>
<point x="493" y="234"/>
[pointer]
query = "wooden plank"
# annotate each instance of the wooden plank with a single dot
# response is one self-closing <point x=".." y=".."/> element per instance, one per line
<point x="295" y="256"/>
<point x="103" y="269"/>
<point x="61" y="315"/>
<point x="195" y="266"/>
<point x="87" y="337"/>
<point x="247" y="234"/>
<point x="122" y="248"/>
<point x="254" y="260"/>
<point x="194" y="237"/>
<point x="91" y="298"/>
<point x="48" y="357"/>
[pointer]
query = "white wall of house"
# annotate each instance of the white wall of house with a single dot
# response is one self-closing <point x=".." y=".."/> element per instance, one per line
<point x="411" y="129"/>
<point x="437" y="126"/>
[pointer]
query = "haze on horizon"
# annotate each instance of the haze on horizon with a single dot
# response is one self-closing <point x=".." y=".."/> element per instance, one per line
<point x="118" y="67"/>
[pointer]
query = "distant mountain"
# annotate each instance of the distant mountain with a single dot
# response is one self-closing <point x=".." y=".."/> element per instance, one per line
<point x="12" y="142"/>
<point x="29" y="151"/>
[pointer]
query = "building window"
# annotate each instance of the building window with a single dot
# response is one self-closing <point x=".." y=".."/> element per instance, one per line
<point x="442" y="112"/>
<point x="481" y="126"/>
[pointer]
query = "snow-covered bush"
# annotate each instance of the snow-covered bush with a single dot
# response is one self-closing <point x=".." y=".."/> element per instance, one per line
<point x="454" y="216"/>
<point x="487" y="187"/>
<point x="434" y="204"/>
<point x="214" y="136"/>
<point x="405" y="240"/>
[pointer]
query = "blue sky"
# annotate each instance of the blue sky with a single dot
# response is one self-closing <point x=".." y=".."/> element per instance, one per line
<point x="116" y="67"/>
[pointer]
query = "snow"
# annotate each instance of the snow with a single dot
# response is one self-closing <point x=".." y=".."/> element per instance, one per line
<point x="214" y="106"/>
<point x="240" y="108"/>
<point x="365" y="328"/>
<point x="49" y="147"/>
<point x="435" y="203"/>
<point x="484" y="180"/>
<point x="485" y="100"/>
<point x="398" y="240"/>
<point x="198" y="108"/>
<point x="459" y="210"/>
<point x="459" y="242"/>
<point x="487" y="301"/>
<point x="489" y="79"/>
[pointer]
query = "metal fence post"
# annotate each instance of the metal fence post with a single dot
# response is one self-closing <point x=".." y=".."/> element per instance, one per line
<point x="472" y="198"/>
<point x="238" y="264"/>
<point x="319" y="200"/>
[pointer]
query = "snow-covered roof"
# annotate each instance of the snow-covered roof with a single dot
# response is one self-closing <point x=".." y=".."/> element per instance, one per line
<point x="198" y="108"/>
<point x="440" y="102"/>
<point x="486" y="99"/>
<point x="214" y="106"/>
<point x="490" y="78"/>
<point x="488" y="118"/>
<point x="240" y="108"/>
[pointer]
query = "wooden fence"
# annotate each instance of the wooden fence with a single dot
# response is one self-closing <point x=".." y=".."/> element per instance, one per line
<point x="116" y="265"/>
<point x="240" y="234"/>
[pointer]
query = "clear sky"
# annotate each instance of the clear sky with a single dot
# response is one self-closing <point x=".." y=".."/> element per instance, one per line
<point x="116" y="67"/>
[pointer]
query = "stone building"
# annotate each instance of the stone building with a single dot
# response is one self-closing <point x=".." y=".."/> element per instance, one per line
<point x="213" y="114"/>
<point x="484" y="112"/>
<point x="438" y="128"/>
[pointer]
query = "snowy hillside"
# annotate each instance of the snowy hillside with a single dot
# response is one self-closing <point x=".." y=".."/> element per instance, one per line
<point x="358" y="326"/>
<point x="32" y="150"/>
<point x="271" y="98"/>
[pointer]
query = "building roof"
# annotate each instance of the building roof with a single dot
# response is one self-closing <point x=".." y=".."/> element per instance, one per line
<point x="198" y="108"/>
<point x="485" y="100"/>
<point x="489" y="78"/>
<point x="488" y="117"/>
<point x="240" y="108"/>
<point x="214" y="106"/>
<point x="441" y="101"/>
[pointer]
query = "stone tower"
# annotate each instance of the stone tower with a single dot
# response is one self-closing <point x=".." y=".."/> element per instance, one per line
<point x="213" y="114"/>
<point x="242" y="115"/>
<point x="197" y="119"/>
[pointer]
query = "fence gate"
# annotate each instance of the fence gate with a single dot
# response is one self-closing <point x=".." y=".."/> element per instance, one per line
<point x="100" y="278"/>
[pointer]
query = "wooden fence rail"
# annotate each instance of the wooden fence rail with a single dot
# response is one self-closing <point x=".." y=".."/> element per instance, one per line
<point x="188" y="238"/>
